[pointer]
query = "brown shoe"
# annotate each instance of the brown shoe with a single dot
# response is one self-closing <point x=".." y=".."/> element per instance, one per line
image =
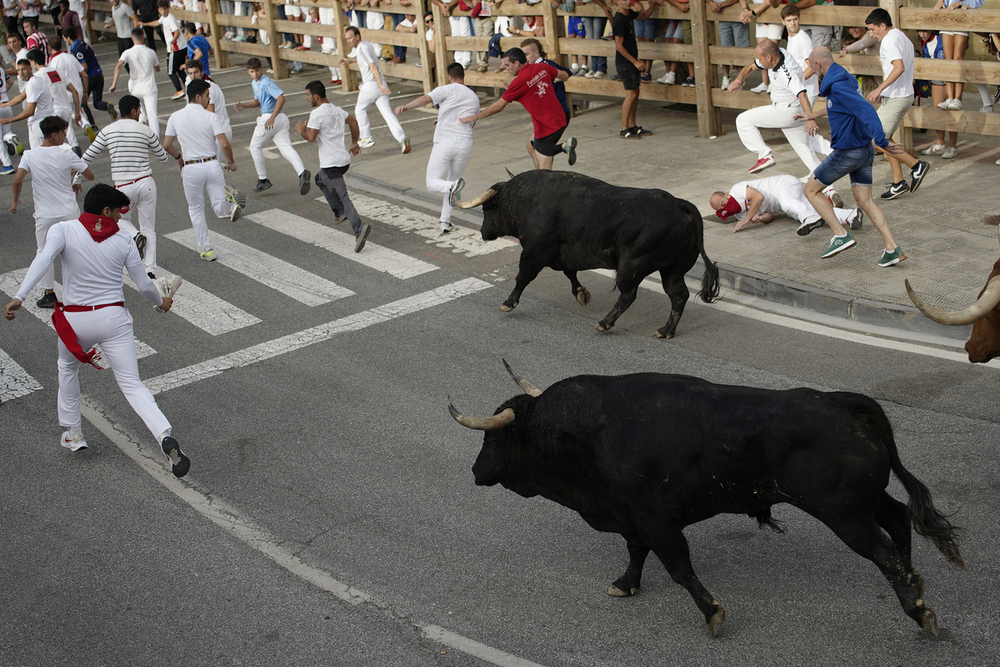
<point x="398" y="60"/>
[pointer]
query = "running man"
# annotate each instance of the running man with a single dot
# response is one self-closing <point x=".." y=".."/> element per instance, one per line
<point x="142" y="64"/>
<point x="372" y="90"/>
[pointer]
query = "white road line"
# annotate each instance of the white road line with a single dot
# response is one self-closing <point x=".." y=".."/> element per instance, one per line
<point x="317" y="334"/>
<point x="462" y="240"/>
<point x="9" y="282"/>
<point x="341" y="243"/>
<point x="14" y="380"/>
<point x="210" y="313"/>
<point x="290" y="280"/>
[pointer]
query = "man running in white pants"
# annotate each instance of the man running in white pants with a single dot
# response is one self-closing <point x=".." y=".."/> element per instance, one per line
<point x="51" y="166"/>
<point x="272" y="125"/>
<point x="128" y="143"/>
<point x="197" y="129"/>
<point x="372" y="91"/>
<point x="217" y="100"/>
<point x="37" y="100"/>
<point x="142" y="65"/>
<point x="452" y="138"/>
<point x="65" y="96"/>
<point x="94" y="255"/>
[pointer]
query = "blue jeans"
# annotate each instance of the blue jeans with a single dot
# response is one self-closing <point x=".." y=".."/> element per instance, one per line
<point x="594" y="25"/>
<point x="857" y="162"/>
<point x="398" y="51"/>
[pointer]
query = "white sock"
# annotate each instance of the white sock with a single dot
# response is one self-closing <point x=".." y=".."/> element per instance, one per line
<point x="75" y="431"/>
<point x="163" y="435"/>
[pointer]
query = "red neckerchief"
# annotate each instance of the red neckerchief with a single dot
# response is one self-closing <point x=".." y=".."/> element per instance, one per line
<point x="98" y="226"/>
<point x="732" y="207"/>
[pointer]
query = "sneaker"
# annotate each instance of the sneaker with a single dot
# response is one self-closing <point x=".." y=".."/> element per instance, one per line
<point x="986" y="109"/>
<point x="362" y="238"/>
<point x="7" y="171"/>
<point x="482" y="69"/>
<point x="208" y="255"/>
<point x="895" y="190"/>
<point x="950" y="152"/>
<point x="574" y="68"/>
<point x="262" y="184"/>
<point x="47" y="301"/>
<point x="590" y="75"/>
<point x="366" y="143"/>
<point x="811" y="223"/>
<point x="234" y="213"/>
<point x="178" y="95"/>
<point x="936" y="149"/>
<point x="762" y="88"/>
<point x="446" y="228"/>
<point x="834" y="197"/>
<point x="405" y="145"/>
<point x="18" y="146"/>
<point x="600" y="75"/>
<point x="917" y="174"/>
<point x="857" y="219"/>
<point x="645" y="77"/>
<point x="668" y="79"/>
<point x="9" y="145"/>
<point x="584" y="69"/>
<point x="455" y="193"/>
<point x="615" y="77"/>
<point x="838" y="244"/>
<point x="762" y="164"/>
<point x="74" y="443"/>
<point x="140" y="244"/>
<point x="179" y="463"/>
<point x="725" y="83"/>
<point x="233" y="196"/>
<point x="304" y="182"/>
<point x="112" y="112"/>
<point x="629" y="134"/>
<point x="339" y="218"/>
<point x="91" y="132"/>
<point x="955" y="105"/>
<point x="689" y="82"/>
<point x="641" y="132"/>
<point x="890" y="258"/>
<point x="571" y="151"/>
<point x="945" y="105"/>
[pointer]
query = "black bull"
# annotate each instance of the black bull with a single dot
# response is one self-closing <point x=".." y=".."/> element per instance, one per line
<point x="646" y="455"/>
<point x="570" y="223"/>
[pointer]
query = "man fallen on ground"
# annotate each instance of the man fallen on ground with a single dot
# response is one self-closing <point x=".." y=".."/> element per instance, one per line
<point x="759" y="201"/>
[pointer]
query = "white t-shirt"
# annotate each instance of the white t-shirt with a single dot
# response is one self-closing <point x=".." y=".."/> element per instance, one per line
<point x="765" y="186"/>
<point x="141" y="61"/>
<point x="218" y="98"/>
<point x="69" y="69"/>
<point x="171" y="26"/>
<point x="195" y="127"/>
<point x="897" y="46"/>
<point x="368" y="53"/>
<point x="37" y="90"/>
<point x="51" y="169"/>
<point x="454" y="100"/>
<point x="786" y="79"/>
<point x="122" y="15"/>
<point x="800" y="46"/>
<point x="330" y="120"/>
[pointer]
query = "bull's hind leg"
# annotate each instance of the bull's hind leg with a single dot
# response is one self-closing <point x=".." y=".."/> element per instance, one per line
<point x="628" y="583"/>
<point x="672" y="550"/>
<point x="894" y="519"/>
<point x="625" y="300"/>
<point x="676" y="289"/>
<point x="579" y="291"/>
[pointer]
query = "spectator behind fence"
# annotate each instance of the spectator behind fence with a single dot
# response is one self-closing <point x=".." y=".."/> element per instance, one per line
<point x="762" y="31"/>
<point x="731" y="33"/>
<point x="931" y="46"/>
<point x="575" y="30"/>
<point x="858" y="40"/>
<point x="627" y="62"/>
<point x="593" y="27"/>
<point x="461" y="26"/>
<point x="485" y="25"/>
<point x="955" y="43"/>
<point x="821" y="35"/>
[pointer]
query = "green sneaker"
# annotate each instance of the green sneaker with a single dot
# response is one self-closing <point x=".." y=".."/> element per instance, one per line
<point x="890" y="258"/>
<point x="208" y="255"/>
<point x="838" y="244"/>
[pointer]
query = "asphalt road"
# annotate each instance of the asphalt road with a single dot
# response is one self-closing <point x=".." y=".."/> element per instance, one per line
<point x="330" y="516"/>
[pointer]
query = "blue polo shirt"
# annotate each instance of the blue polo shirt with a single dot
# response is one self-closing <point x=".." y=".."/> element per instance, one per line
<point x="266" y="92"/>
<point x="199" y="42"/>
<point x="85" y="55"/>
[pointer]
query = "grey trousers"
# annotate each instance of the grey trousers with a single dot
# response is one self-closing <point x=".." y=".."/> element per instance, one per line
<point x="330" y="180"/>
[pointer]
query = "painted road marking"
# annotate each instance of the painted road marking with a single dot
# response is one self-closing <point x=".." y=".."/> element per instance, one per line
<point x="14" y="380"/>
<point x="341" y="243"/>
<point x="290" y="280"/>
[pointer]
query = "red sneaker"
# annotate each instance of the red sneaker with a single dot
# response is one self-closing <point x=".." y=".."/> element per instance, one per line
<point x="762" y="164"/>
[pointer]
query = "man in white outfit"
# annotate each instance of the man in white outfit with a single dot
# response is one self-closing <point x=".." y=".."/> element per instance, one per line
<point x="142" y="65"/>
<point x="65" y="96"/>
<point x="197" y="129"/>
<point x="452" y="138"/>
<point x="372" y="90"/>
<point x="51" y="166"/>
<point x="37" y="98"/>
<point x="217" y="100"/>
<point x="7" y="145"/>
<point x="128" y="143"/>
<point x="94" y="255"/>
<point x="788" y="97"/>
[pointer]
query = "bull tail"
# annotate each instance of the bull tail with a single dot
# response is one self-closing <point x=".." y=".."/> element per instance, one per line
<point x="709" y="292"/>
<point x="924" y="517"/>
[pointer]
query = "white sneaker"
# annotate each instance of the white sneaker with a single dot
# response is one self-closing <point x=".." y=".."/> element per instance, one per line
<point x="725" y="83"/>
<point x="955" y="105"/>
<point x="446" y="228"/>
<point x="834" y="197"/>
<point x="75" y="443"/>
<point x="945" y="105"/>
<point x="589" y="75"/>
<point x="574" y="68"/>
<point x="584" y="70"/>
<point x="599" y="75"/>
<point x="986" y="109"/>
<point x="668" y="79"/>
<point x="762" y="88"/>
<point x="366" y="143"/>
<point x="950" y="152"/>
<point x="936" y="149"/>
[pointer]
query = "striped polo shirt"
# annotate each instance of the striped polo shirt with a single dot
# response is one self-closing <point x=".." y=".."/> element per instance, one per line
<point x="128" y="142"/>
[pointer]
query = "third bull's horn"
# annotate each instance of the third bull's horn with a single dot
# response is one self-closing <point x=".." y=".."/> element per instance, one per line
<point x="481" y="199"/>
<point x="977" y="311"/>
<point x="529" y="389"/>
<point x="482" y="423"/>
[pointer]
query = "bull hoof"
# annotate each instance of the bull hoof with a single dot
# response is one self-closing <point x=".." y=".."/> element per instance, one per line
<point x="929" y="622"/>
<point x="616" y="592"/>
<point x="660" y="334"/>
<point x="583" y="296"/>
<point x="714" y="623"/>
<point x="507" y="307"/>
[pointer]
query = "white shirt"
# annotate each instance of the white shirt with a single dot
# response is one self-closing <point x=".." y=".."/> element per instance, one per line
<point x="171" y="26"/>
<point x="330" y="120"/>
<point x="128" y="143"/>
<point x="368" y="53"/>
<point x="69" y="69"/>
<point x="91" y="271"/>
<point x="62" y="103"/>
<point x="36" y="90"/>
<point x="51" y="169"/>
<point x="122" y="15"/>
<point x="141" y="61"/>
<point x="800" y="46"/>
<point x="195" y="127"/>
<point x="897" y="46"/>
<point x="10" y="8"/>
<point x="786" y="80"/>
<point x="454" y="101"/>
<point x="218" y="98"/>
<point x="765" y="186"/>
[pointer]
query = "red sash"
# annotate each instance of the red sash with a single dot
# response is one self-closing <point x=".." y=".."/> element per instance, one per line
<point x="68" y="336"/>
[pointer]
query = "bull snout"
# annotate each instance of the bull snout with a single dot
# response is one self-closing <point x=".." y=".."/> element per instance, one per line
<point x="485" y="471"/>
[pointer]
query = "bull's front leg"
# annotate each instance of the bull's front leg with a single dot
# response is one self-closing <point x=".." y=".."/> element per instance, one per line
<point x="625" y="300"/>
<point x="579" y="291"/>
<point x="628" y="583"/>
<point x="527" y="271"/>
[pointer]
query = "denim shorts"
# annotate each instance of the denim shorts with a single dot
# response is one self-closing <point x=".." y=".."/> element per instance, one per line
<point x="674" y="30"/>
<point x="857" y="162"/>
<point x="645" y="29"/>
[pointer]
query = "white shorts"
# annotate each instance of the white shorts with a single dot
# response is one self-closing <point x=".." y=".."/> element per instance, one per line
<point x="772" y="31"/>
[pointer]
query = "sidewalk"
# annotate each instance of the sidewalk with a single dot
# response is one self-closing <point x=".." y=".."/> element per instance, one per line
<point x="949" y="251"/>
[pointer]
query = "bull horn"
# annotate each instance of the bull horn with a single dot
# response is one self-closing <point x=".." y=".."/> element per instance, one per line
<point x="481" y="423"/>
<point x="977" y="311"/>
<point x="509" y="172"/>
<point x="481" y="199"/>
<point x="529" y="389"/>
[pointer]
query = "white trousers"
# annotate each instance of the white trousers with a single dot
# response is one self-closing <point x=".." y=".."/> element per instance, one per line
<point x="68" y="116"/>
<point x="42" y="226"/>
<point x="142" y="208"/>
<point x="461" y="26"/>
<point x="147" y="111"/>
<point x="778" y="117"/>
<point x="197" y="179"/>
<point x="35" y="137"/>
<point x="5" y="112"/>
<point x="369" y="94"/>
<point x="790" y="196"/>
<point x="279" y="135"/>
<point x="445" y="166"/>
<point x="112" y="328"/>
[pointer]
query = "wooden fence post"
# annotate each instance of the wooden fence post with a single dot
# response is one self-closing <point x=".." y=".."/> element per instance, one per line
<point x="221" y="57"/>
<point x="426" y="62"/>
<point x="702" y="35"/>
<point x="277" y="64"/>
<point x="442" y="57"/>
<point x="347" y="82"/>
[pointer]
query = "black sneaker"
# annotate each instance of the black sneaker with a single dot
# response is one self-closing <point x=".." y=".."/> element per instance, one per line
<point x="810" y="224"/>
<point x="857" y="219"/>
<point x="47" y="301"/>
<point x="112" y="112"/>
<point x="570" y="149"/>
<point x="179" y="463"/>
<point x="895" y="190"/>
<point x="11" y="148"/>
<point x="262" y="184"/>
<point x="629" y="134"/>
<point x="362" y="238"/>
<point x="140" y="244"/>
<point x="641" y="132"/>
<point x="917" y="174"/>
<point x="304" y="182"/>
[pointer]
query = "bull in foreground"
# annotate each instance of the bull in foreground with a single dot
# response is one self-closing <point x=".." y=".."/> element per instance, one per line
<point x="645" y="455"/>
<point x="570" y="223"/>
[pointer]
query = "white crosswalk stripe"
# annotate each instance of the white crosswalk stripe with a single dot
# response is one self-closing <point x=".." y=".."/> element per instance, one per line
<point x="14" y="380"/>
<point x="210" y="313"/>
<point x="341" y="243"/>
<point x="290" y="280"/>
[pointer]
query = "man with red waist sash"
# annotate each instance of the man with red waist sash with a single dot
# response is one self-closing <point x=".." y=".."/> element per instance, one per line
<point x="94" y="253"/>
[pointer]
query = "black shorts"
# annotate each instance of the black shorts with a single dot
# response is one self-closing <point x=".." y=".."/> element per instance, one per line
<point x="629" y="74"/>
<point x="549" y="146"/>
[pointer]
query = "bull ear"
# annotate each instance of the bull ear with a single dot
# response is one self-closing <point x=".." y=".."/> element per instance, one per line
<point x="529" y="389"/>
<point x="481" y="423"/>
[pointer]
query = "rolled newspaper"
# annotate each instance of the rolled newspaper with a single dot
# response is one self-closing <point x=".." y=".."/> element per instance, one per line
<point x="168" y="287"/>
